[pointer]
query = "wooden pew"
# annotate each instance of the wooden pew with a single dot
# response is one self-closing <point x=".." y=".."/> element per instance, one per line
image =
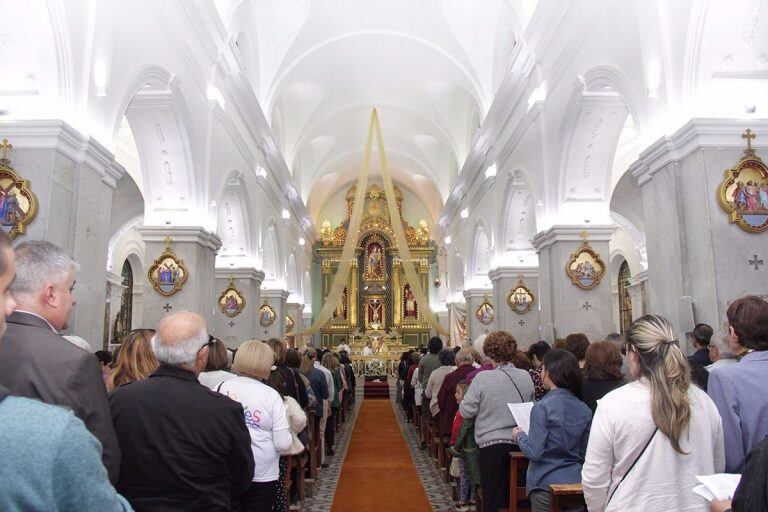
<point x="565" y="495"/>
<point x="518" y="464"/>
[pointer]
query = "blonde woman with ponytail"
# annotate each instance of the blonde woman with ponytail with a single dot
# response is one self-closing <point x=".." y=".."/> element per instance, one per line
<point x="650" y="437"/>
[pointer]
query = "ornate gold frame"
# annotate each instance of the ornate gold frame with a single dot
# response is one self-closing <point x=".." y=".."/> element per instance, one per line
<point x="577" y="279"/>
<point x="238" y="298"/>
<point x="266" y="308"/>
<point x="167" y="289"/>
<point x="479" y="314"/>
<point x="749" y="161"/>
<point x="22" y="187"/>
<point x="516" y="305"/>
<point x="289" y="324"/>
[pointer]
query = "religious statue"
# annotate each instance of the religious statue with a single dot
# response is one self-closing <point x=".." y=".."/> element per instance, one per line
<point x="339" y="310"/>
<point x="375" y="261"/>
<point x="410" y="303"/>
<point x="374" y="308"/>
<point x="367" y="349"/>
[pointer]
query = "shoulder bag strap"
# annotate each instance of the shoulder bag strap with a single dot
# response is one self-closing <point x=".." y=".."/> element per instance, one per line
<point x="632" y="466"/>
<point x="513" y="383"/>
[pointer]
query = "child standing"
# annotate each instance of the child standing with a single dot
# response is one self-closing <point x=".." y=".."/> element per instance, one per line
<point x="465" y="485"/>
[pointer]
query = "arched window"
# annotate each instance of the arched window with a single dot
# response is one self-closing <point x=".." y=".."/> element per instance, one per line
<point x="625" y="303"/>
<point x="123" y="320"/>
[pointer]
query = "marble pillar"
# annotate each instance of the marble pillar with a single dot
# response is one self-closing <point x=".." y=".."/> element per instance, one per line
<point x="295" y="311"/>
<point x="564" y="307"/>
<point x="197" y="248"/>
<point x="637" y="294"/>
<point x="524" y="327"/>
<point x="305" y="339"/>
<point x="245" y="326"/>
<point x="694" y="253"/>
<point x="475" y="297"/>
<point x="277" y="300"/>
<point x="73" y="178"/>
<point x="115" y="289"/>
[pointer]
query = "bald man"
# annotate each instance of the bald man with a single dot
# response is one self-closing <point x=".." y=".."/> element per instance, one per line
<point x="185" y="447"/>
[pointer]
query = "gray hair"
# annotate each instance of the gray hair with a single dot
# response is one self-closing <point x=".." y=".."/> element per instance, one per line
<point x="39" y="262"/>
<point x="722" y="343"/>
<point x="464" y="356"/>
<point x="184" y="352"/>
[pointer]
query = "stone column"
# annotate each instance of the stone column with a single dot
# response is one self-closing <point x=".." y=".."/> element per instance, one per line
<point x="235" y="330"/>
<point x="637" y="294"/>
<point x="306" y="321"/>
<point x="197" y="248"/>
<point x="295" y="311"/>
<point x="115" y="289"/>
<point x="474" y="298"/>
<point x="524" y="327"/>
<point x="564" y="307"/>
<point x="352" y="295"/>
<point x="276" y="299"/>
<point x="694" y="252"/>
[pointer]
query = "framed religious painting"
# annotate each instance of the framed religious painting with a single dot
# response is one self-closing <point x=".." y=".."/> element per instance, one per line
<point x="289" y="324"/>
<point x="18" y="205"/>
<point x="410" y="306"/>
<point x="267" y="315"/>
<point x="168" y="272"/>
<point x="231" y="300"/>
<point x="585" y="267"/>
<point x="743" y="194"/>
<point x="485" y="313"/>
<point x="374" y="260"/>
<point x="520" y="298"/>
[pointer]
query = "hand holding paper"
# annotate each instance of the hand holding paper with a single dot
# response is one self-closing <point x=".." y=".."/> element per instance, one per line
<point x="522" y="414"/>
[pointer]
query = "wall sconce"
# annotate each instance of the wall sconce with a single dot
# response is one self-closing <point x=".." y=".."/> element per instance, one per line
<point x="437" y="282"/>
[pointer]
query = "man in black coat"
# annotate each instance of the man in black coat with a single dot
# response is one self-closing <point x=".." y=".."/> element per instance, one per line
<point x="36" y="362"/>
<point x="185" y="447"/>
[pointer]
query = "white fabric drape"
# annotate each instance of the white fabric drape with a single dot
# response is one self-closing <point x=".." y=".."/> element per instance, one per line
<point x="458" y="324"/>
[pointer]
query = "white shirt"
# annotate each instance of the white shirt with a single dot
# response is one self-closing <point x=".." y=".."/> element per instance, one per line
<point x="367" y="351"/>
<point x="662" y="480"/>
<point x="328" y="380"/>
<point x="265" y="417"/>
<point x="434" y="384"/>
<point x="211" y="380"/>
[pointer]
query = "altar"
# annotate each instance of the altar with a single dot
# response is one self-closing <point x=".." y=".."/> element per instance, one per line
<point x="377" y="300"/>
<point x="376" y="354"/>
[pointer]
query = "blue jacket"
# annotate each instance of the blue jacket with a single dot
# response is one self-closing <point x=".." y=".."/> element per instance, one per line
<point x="556" y="442"/>
<point x="51" y="462"/>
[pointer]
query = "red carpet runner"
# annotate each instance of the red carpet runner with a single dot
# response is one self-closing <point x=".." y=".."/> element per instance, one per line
<point x="378" y="472"/>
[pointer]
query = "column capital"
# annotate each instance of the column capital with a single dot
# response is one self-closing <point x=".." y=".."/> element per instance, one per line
<point x="179" y="234"/>
<point x="513" y="272"/>
<point x="475" y="293"/>
<point x="115" y="280"/>
<point x="572" y="233"/>
<point x="638" y="278"/>
<point x="249" y="273"/>
<point x="275" y="294"/>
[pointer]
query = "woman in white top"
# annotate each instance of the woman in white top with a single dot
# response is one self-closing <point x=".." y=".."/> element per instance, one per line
<point x="651" y="437"/>
<point x="265" y="417"/>
<point x="216" y="369"/>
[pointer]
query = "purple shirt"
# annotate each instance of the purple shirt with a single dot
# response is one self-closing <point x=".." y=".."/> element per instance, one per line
<point x="481" y="369"/>
<point x="738" y="391"/>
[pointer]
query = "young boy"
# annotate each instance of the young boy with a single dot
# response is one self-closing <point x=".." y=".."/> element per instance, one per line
<point x="465" y="486"/>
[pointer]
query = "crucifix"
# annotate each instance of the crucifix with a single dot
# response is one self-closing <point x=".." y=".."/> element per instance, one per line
<point x="167" y="307"/>
<point x="585" y="236"/>
<point x="266" y="332"/>
<point x="521" y="323"/>
<point x="5" y="147"/>
<point x="755" y="262"/>
<point x="586" y="305"/>
<point x="749" y="136"/>
<point x="231" y="323"/>
<point x="167" y="241"/>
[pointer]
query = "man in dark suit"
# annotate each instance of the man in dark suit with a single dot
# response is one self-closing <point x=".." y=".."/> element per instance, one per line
<point x="702" y="335"/>
<point x="36" y="362"/>
<point x="185" y="447"/>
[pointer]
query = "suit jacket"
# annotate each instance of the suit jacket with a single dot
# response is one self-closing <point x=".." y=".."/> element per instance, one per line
<point x="185" y="447"/>
<point x="36" y="362"/>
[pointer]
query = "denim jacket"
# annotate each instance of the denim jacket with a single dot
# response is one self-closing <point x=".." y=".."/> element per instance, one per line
<point x="556" y="442"/>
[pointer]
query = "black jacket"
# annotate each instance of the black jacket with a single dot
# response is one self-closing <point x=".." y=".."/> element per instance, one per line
<point x="36" y="362"/>
<point x="752" y="493"/>
<point x="186" y="448"/>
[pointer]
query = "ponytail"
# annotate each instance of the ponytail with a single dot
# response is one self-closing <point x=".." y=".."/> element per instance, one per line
<point x="309" y="355"/>
<point x="665" y="367"/>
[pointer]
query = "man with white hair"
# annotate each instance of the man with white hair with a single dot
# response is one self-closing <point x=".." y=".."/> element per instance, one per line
<point x="37" y="362"/>
<point x="446" y="398"/>
<point x="185" y="447"/>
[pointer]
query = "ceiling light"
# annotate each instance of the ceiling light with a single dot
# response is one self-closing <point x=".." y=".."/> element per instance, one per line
<point x="490" y="172"/>
<point x="465" y="212"/>
<point x="261" y="172"/>
<point x="302" y="241"/>
<point x="286" y="214"/>
<point x="447" y="240"/>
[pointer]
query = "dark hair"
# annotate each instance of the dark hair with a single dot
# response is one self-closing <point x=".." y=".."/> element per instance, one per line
<point x="703" y="333"/>
<point x="538" y="349"/>
<point x="447" y="357"/>
<point x="277" y="382"/>
<point x="103" y="356"/>
<point x="435" y="345"/>
<point x="749" y="318"/>
<point x="344" y="357"/>
<point x="218" y="358"/>
<point x="5" y="243"/>
<point x="456" y="349"/>
<point x="559" y="343"/>
<point x="279" y="348"/>
<point x="521" y="361"/>
<point x="563" y="370"/>
<point x="404" y="356"/>
<point x="292" y="358"/>
<point x="500" y="346"/>
<point x="415" y="357"/>
<point x="603" y="361"/>
<point x="577" y="345"/>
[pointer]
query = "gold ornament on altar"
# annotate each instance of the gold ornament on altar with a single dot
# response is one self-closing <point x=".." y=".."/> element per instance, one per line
<point x="743" y="194"/>
<point x="18" y="205"/>
<point x="289" y="324"/>
<point x="231" y="300"/>
<point x="485" y="313"/>
<point x="585" y="267"/>
<point x="520" y="299"/>
<point x="168" y="272"/>
<point x="267" y="315"/>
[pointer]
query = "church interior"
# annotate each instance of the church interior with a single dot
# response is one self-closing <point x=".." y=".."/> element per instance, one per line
<point x="365" y="176"/>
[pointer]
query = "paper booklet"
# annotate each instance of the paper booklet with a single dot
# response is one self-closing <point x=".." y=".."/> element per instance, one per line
<point x="720" y="486"/>
<point x="522" y="414"/>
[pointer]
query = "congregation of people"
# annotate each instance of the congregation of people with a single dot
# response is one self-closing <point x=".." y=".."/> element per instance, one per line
<point x="174" y="421"/>
<point x="629" y="420"/>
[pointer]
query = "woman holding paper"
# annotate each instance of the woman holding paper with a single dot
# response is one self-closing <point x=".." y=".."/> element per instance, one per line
<point x="556" y="441"/>
<point x="650" y="437"/>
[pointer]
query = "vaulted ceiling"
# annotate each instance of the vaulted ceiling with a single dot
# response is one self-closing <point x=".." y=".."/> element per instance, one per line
<point x="431" y="67"/>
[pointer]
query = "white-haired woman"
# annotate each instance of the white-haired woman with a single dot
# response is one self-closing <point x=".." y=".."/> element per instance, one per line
<point x="650" y="437"/>
<point x="265" y="417"/>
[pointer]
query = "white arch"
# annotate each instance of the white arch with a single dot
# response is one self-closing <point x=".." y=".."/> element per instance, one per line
<point x="481" y="257"/>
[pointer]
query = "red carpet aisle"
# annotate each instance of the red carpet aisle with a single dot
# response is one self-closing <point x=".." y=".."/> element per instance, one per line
<point x="378" y="472"/>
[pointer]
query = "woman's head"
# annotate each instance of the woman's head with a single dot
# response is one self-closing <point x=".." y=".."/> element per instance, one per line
<point x="603" y="361"/>
<point x="330" y="361"/>
<point x="344" y="357"/>
<point x="536" y="352"/>
<point x="560" y="369"/>
<point x="748" y="322"/>
<point x="415" y="357"/>
<point x="577" y="345"/>
<point x="292" y="358"/>
<point x="654" y="355"/>
<point x="308" y="359"/>
<point x="218" y="358"/>
<point x="446" y="357"/>
<point x="280" y="350"/>
<point x="500" y="347"/>
<point x="520" y="360"/>
<point x="254" y="359"/>
<point x="135" y="360"/>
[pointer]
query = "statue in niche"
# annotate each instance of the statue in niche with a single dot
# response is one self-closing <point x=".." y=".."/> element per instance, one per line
<point x="340" y="311"/>
<point x="374" y="313"/>
<point x="410" y="310"/>
<point x="375" y="268"/>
